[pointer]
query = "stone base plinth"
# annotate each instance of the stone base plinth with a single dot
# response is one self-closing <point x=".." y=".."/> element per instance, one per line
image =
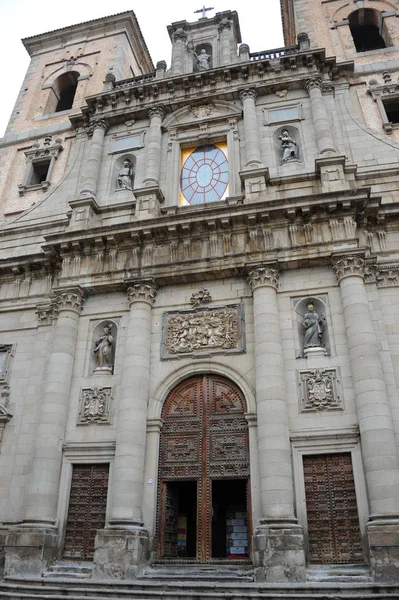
<point x="29" y="551"/>
<point x="278" y="553"/>
<point x="148" y="202"/>
<point x="383" y="539"/>
<point x="120" y="554"/>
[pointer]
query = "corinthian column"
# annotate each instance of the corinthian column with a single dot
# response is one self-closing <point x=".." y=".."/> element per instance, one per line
<point x="154" y="146"/>
<point x="42" y="501"/>
<point x="224" y="37"/>
<point x="372" y="403"/>
<point x="276" y="478"/>
<point x="321" y="122"/>
<point x="251" y="128"/>
<point x="98" y="129"/>
<point x="128" y="470"/>
<point x="377" y="435"/>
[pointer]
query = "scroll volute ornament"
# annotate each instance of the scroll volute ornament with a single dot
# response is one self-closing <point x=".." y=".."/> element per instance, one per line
<point x="70" y="299"/>
<point x="263" y="276"/>
<point x="345" y="266"/>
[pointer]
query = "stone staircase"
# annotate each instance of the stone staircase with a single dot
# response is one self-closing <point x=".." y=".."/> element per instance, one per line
<point x="197" y="582"/>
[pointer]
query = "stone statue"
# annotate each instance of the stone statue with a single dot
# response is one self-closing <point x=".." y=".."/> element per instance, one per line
<point x="203" y="60"/>
<point x="125" y="176"/>
<point x="288" y="146"/>
<point x="314" y="327"/>
<point x="103" y="350"/>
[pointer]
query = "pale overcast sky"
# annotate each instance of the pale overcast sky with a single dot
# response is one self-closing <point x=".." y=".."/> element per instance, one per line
<point x="260" y="24"/>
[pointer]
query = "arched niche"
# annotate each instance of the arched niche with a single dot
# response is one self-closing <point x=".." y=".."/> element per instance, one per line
<point x="123" y="169"/>
<point x="287" y="145"/>
<point x="312" y="332"/>
<point x="202" y="57"/>
<point x="102" y="352"/>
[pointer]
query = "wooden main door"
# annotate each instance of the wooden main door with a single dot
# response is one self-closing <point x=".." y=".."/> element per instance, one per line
<point x="333" y="521"/>
<point x="204" y="472"/>
<point x="86" y="511"/>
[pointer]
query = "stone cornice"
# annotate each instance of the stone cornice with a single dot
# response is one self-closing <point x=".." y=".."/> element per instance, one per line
<point x="133" y="97"/>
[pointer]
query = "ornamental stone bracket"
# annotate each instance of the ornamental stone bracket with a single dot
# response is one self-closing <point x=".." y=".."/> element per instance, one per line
<point x="95" y="406"/>
<point x="203" y="332"/>
<point x="320" y="389"/>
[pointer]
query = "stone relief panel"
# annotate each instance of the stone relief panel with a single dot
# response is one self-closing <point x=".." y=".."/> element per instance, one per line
<point x="95" y="406"/>
<point x="195" y="332"/>
<point x="320" y="389"/>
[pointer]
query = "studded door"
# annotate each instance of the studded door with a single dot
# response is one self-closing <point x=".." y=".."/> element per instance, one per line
<point x="333" y="522"/>
<point x="86" y="511"/>
<point x="204" y="437"/>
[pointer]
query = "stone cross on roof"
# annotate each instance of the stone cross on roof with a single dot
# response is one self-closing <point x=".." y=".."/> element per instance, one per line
<point x="203" y="10"/>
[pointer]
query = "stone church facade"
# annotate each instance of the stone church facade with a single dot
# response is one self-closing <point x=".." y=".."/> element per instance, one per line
<point x="199" y="301"/>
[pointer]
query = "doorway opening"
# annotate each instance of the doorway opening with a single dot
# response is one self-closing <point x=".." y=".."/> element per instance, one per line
<point x="180" y="526"/>
<point x="230" y="519"/>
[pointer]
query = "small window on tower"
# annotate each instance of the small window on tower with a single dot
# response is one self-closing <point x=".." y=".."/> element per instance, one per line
<point x="392" y="110"/>
<point x="39" y="172"/>
<point x="368" y="30"/>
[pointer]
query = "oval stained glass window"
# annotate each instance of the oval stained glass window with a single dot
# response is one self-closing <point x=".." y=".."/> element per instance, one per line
<point x="204" y="175"/>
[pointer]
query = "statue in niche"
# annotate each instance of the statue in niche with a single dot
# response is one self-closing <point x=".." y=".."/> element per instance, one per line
<point x="203" y="60"/>
<point x="289" y="147"/>
<point x="314" y="324"/>
<point x="103" y="350"/>
<point x="125" y="176"/>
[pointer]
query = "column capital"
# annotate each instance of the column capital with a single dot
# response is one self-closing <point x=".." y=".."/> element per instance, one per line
<point x="314" y="82"/>
<point x="156" y="111"/>
<point x="263" y="276"/>
<point x="97" y="123"/>
<point x="348" y="265"/>
<point x="223" y="25"/>
<point x="179" y="35"/>
<point x="142" y="291"/>
<point x="70" y="299"/>
<point x="248" y="93"/>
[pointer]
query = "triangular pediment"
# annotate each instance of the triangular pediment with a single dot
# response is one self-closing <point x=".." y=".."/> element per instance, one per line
<point x="198" y="113"/>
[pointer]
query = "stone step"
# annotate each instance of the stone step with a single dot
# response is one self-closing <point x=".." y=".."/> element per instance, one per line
<point x="151" y="590"/>
<point x="69" y="570"/>
<point x="199" y="572"/>
<point x="356" y="573"/>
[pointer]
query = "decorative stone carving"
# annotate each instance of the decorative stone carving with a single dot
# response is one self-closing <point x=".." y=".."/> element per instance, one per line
<point x="201" y="297"/>
<point x="345" y="266"/>
<point x="261" y="276"/>
<point x="156" y="111"/>
<point x="313" y="82"/>
<point x="70" y="299"/>
<point x="203" y="330"/>
<point x="46" y="313"/>
<point x="248" y="93"/>
<point x="124" y="180"/>
<point x="144" y="291"/>
<point x="289" y="147"/>
<point x="320" y="390"/>
<point x="97" y="124"/>
<point x="203" y="60"/>
<point x="387" y="276"/>
<point x="95" y="405"/>
<point x="202" y="111"/>
<point x="103" y="351"/>
<point x="179" y="35"/>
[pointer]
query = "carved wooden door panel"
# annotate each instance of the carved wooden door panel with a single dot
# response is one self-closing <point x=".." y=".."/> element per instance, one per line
<point x="86" y="511"/>
<point x="333" y="522"/>
<point x="204" y="437"/>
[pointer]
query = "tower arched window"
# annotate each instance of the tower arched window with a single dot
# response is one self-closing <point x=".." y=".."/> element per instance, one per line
<point x="367" y="29"/>
<point x="65" y="90"/>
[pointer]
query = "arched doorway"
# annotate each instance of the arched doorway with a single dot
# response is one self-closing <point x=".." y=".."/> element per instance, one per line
<point x="204" y="491"/>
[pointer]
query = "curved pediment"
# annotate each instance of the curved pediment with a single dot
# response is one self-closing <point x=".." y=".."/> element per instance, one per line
<point x="197" y="113"/>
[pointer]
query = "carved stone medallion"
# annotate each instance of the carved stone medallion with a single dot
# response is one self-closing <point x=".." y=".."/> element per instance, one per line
<point x="320" y="390"/>
<point x="203" y="331"/>
<point x="94" y="405"/>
